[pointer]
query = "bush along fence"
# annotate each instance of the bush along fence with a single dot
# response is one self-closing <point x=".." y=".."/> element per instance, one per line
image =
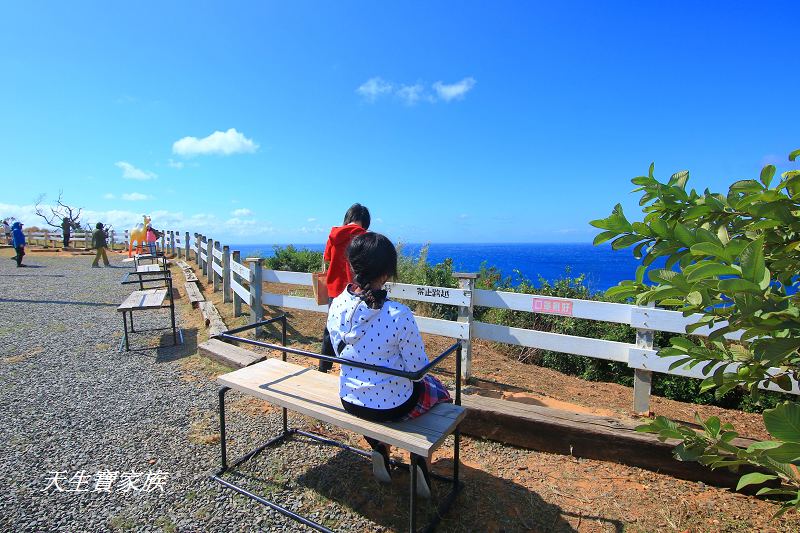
<point x="242" y="283"/>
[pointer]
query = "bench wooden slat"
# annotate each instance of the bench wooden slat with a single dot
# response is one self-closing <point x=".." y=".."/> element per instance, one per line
<point x="148" y="268"/>
<point x="316" y="394"/>
<point x="146" y="299"/>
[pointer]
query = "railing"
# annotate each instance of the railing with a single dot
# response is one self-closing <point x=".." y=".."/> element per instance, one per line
<point x="55" y="239"/>
<point x="242" y="281"/>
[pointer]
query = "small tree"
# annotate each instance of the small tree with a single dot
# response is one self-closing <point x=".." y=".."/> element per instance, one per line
<point x="59" y="212"/>
<point x="734" y="259"/>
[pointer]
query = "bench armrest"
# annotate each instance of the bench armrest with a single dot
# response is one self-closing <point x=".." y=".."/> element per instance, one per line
<point x="414" y="376"/>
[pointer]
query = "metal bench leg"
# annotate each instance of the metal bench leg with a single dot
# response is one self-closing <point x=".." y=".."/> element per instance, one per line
<point x="125" y="329"/>
<point x="412" y="516"/>
<point x="131" y="317"/>
<point x="223" y="451"/>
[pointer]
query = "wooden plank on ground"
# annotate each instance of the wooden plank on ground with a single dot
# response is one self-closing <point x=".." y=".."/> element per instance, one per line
<point x="316" y="394"/>
<point x="212" y="318"/>
<point x="188" y="273"/>
<point x="582" y="435"/>
<point x="228" y="354"/>
<point x="193" y="292"/>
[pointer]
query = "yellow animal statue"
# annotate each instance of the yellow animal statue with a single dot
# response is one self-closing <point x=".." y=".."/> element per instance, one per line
<point x="138" y="234"/>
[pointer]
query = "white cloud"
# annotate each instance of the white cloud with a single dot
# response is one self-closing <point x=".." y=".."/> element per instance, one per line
<point x="174" y="164"/>
<point x="236" y="221"/>
<point x="455" y="91"/>
<point x="108" y="196"/>
<point x="135" y="196"/>
<point x="411" y="94"/>
<point x="312" y="219"/>
<point x="243" y="212"/>
<point x="130" y="172"/>
<point x="373" y="88"/>
<point x="219" y="143"/>
<point x="315" y="229"/>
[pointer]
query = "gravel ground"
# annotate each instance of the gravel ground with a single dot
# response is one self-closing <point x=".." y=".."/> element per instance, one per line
<point x="74" y="404"/>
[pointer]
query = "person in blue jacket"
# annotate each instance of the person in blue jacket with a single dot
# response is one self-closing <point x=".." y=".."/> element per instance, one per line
<point x="18" y="241"/>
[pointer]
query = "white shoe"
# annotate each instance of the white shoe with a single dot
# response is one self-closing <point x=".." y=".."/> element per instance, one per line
<point x="423" y="480"/>
<point x="380" y="467"/>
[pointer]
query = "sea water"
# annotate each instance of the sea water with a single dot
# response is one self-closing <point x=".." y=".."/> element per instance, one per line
<point x="602" y="266"/>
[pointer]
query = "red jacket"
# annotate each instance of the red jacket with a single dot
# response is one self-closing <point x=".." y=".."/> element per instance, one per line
<point x="336" y="254"/>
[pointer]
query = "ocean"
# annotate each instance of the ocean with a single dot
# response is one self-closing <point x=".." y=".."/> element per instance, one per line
<point x="602" y="266"/>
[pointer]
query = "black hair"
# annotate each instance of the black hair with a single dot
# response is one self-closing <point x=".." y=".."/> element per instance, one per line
<point x="99" y="225"/>
<point x="357" y="213"/>
<point x="372" y="255"/>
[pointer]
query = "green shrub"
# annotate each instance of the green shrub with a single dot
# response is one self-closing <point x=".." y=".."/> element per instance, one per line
<point x="294" y="260"/>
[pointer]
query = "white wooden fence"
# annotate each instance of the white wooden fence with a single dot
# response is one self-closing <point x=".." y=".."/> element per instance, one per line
<point x="78" y="239"/>
<point x="242" y="282"/>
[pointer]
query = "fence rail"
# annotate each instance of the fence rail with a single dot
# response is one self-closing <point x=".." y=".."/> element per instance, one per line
<point x="244" y="283"/>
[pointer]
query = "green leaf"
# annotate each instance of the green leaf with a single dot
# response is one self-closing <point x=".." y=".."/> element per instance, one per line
<point x="702" y="249"/>
<point x="602" y="237"/>
<point x="694" y="298"/>
<point x="710" y="269"/>
<point x="683" y="234"/>
<point x="794" y="155"/>
<point x="752" y="261"/>
<point x="753" y="478"/>
<point x="732" y="286"/>
<point x="788" y="452"/>
<point x="783" y="422"/>
<point x="766" y="174"/>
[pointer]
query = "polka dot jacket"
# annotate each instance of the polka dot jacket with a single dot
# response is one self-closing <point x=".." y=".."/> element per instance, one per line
<point x="385" y="337"/>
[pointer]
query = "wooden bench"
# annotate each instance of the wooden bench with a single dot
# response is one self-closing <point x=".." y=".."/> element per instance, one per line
<point x="146" y="299"/>
<point x="315" y="394"/>
<point x="148" y="268"/>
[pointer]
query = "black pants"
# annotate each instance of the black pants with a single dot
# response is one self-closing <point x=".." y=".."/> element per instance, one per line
<point x="327" y="348"/>
<point x="385" y="415"/>
<point x="20" y="252"/>
<point x="66" y="241"/>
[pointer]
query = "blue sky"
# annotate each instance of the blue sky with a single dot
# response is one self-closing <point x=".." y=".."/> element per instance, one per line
<point x="452" y="121"/>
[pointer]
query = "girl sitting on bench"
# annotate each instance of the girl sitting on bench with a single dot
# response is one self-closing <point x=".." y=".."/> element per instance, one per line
<point x="367" y="327"/>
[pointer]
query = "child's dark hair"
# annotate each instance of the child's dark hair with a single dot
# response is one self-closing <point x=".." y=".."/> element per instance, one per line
<point x="357" y="213"/>
<point x="372" y="255"/>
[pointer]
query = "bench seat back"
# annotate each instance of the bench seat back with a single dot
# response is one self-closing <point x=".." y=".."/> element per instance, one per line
<point x="315" y="394"/>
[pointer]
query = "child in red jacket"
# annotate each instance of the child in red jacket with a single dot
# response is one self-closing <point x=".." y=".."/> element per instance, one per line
<point x="356" y="222"/>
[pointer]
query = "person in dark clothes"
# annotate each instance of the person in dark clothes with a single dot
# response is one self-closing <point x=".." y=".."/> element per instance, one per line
<point x="66" y="230"/>
<point x="18" y="242"/>
<point x="356" y="222"/>
<point x="99" y="243"/>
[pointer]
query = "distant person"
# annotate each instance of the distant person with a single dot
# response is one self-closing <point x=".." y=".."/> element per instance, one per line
<point x="66" y="230"/>
<point x="151" y="237"/>
<point x="356" y="222"/>
<point x="367" y="327"/>
<point x="7" y="232"/>
<point x="99" y="243"/>
<point x="18" y="242"/>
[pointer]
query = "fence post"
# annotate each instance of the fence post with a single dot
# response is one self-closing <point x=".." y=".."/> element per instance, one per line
<point x="466" y="281"/>
<point x="217" y="277"/>
<point x="209" y="260"/>
<point x="85" y="241"/>
<point x="237" y="300"/>
<point x="186" y="246"/>
<point x="111" y="236"/>
<point x="197" y="251"/>
<point x="226" y="274"/>
<point x="256" y="310"/>
<point x="642" y="379"/>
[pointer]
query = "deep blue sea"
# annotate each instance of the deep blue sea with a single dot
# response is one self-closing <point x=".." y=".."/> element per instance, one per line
<point x="603" y="266"/>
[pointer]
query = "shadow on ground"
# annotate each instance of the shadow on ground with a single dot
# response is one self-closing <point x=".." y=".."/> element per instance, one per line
<point x="486" y="502"/>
